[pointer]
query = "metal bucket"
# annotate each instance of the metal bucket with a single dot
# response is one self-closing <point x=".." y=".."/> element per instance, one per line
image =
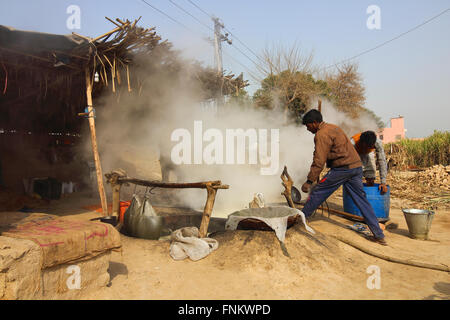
<point x="419" y="222"/>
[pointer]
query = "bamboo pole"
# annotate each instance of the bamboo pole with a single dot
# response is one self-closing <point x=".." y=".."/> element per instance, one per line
<point x="128" y="79"/>
<point x="113" y="22"/>
<point x="116" y="200"/>
<point x="113" y="75"/>
<point x="203" y="231"/>
<point x="110" y="32"/>
<point x="98" y="167"/>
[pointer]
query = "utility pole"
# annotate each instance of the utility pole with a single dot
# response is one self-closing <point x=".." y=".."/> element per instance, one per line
<point x="218" y="38"/>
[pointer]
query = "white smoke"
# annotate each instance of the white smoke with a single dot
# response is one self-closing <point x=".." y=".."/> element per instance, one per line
<point x="350" y="126"/>
<point x="134" y="133"/>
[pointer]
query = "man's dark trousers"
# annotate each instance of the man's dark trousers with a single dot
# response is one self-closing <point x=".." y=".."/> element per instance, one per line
<point x="351" y="179"/>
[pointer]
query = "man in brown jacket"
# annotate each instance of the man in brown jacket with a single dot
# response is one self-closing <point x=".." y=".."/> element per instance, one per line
<point x="333" y="148"/>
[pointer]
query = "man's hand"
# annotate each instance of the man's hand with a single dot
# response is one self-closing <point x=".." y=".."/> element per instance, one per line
<point x="306" y="186"/>
<point x="383" y="188"/>
<point x="370" y="182"/>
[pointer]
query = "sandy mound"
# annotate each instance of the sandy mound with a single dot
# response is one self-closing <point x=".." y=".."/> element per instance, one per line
<point x="261" y="250"/>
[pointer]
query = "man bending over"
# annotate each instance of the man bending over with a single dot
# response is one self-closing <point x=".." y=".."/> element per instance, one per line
<point x="333" y="147"/>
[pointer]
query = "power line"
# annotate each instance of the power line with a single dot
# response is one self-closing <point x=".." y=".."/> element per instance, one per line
<point x="165" y="14"/>
<point x="388" y="41"/>
<point x="174" y="20"/>
<point x="243" y="53"/>
<point x="184" y="26"/>
<point x="185" y="11"/>
<point x="245" y="67"/>
<point x="244" y="45"/>
<point x="240" y="41"/>
<point x="200" y="9"/>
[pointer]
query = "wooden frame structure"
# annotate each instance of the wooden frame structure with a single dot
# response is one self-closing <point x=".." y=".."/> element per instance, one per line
<point x="118" y="178"/>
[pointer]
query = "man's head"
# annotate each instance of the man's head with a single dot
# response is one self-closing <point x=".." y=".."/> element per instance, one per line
<point x="312" y="119"/>
<point x="368" y="139"/>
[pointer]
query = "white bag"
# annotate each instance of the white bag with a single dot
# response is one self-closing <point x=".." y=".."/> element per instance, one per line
<point x="186" y="243"/>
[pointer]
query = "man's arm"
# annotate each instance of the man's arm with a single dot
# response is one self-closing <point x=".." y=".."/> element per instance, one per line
<point x="369" y="170"/>
<point x="381" y="159"/>
<point x="322" y="148"/>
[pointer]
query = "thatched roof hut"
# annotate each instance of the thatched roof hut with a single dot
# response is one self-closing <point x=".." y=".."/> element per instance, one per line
<point x="44" y="87"/>
<point x="47" y="81"/>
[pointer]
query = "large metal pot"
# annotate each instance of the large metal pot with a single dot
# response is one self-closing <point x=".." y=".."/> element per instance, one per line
<point x="141" y="221"/>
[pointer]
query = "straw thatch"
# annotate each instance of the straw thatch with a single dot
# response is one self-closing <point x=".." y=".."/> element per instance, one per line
<point x="42" y="76"/>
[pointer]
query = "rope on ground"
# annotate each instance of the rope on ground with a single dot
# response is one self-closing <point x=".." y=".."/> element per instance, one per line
<point x="419" y="264"/>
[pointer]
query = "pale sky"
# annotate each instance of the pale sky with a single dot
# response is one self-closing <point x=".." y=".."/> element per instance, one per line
<point x="409" y="76"/>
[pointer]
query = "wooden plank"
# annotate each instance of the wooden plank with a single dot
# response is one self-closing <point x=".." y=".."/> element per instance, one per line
<point x="98" y="167"/>
<point x="198" y="185"/>
<point x="287" y="183"/>
<point x="116" y="201"/>
<point x="203" y="231"/>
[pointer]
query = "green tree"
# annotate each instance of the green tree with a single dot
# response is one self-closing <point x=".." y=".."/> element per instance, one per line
<point x="291" y="91"/>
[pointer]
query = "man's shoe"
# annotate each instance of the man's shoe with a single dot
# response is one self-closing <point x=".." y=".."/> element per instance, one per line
<point x="378" y="240"/>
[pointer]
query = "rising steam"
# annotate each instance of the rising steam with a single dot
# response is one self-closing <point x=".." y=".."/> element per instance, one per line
<point x="134" y="133"/>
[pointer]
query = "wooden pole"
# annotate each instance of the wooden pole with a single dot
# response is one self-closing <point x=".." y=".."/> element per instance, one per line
<point x="116" y="200"/>
<point x="128" y="79"/>
<point x="98" y="167"/>
<point x="287" y="183"/>
<point x="207" y="211"/>
<point x="200" y="185"/>
<point x="343" y="213"/>
<point x="319" y="107"/>
<point x="110" y="32"/>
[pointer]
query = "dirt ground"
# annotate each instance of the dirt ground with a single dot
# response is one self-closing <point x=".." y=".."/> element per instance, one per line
<point x="250" y="264"/>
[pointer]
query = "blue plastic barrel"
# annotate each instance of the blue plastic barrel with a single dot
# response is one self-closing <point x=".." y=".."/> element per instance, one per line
<point x="379" y="202"/>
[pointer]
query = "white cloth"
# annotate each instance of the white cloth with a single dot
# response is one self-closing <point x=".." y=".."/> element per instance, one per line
<point x="275" y="217"/>
<point x="258" y="201"/>
<point x="186" y="243"/>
